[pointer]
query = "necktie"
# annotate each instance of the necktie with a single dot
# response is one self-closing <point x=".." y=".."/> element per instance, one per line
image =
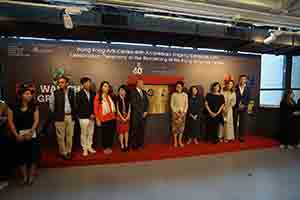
<point x="88" y="95"/>
<point x="140" y="92"/>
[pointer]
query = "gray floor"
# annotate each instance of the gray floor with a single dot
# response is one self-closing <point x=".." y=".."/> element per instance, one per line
<point x="261" y="175"/>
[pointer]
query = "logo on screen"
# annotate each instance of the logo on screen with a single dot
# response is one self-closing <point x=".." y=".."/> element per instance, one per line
<point x="138" y="70"/>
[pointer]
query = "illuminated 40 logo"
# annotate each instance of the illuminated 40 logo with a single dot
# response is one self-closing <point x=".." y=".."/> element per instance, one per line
<point x="138" y="69"/>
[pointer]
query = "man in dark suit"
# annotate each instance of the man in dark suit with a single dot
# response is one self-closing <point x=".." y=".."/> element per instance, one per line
<point x="241" y="108"/>
<point x="139" y="111"/>
<point x="85" y="111"/>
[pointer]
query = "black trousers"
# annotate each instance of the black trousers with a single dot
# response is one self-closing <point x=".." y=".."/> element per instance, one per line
<point x="108" y="130"/>
<point x="240" y="129"/>
<point x="289" y="133"/>
<point x="137" y="133"/>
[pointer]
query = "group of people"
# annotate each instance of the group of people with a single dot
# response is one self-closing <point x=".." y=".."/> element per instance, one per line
<point x="107" y="112"/>
<point x="126" y="112"/>
<point x="223" y="110"/>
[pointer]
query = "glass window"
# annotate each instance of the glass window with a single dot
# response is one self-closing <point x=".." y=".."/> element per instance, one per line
<point x="270" y="98"/>
<point x="297" y="95"/>
<point x="272" y="72"/>
<point x="296" y="72"/>
<point x="271" y="80"/>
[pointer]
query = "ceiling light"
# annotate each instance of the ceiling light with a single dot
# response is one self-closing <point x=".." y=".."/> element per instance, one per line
<point x="187" y="20"/>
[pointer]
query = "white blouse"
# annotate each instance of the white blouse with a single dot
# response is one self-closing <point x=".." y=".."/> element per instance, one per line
<point x="179" y="102"/>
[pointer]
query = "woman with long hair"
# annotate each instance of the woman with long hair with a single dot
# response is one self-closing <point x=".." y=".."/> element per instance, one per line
<point x="230" y="101"/>
<point x="194" y="115"/>
<point x="214" y="104"/>
<point x="123" y="118"/>
<point x="179" y="107"/>
<point x="23" y="120"/>
<point x="105" y="113"/>
<point x="288" y="137"/>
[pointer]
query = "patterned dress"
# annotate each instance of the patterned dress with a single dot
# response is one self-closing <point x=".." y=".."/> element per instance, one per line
<point x="230" y="101"/>
<point x="179" y="107"/>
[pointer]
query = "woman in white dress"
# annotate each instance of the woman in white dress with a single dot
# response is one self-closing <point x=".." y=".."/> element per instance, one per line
<point x="179" y="107"/>
<point x="230" y="101"/>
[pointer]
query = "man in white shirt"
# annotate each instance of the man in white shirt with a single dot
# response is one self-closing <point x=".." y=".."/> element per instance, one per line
<point x="62" y="103"/>
<point x="85" y="111"/>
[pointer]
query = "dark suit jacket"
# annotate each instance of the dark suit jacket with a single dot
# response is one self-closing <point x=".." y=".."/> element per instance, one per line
<point x="139" y="105"/>
<point x="85" y="107"/>
<point x="242" y="99"/>
<point x="59" y="104"/>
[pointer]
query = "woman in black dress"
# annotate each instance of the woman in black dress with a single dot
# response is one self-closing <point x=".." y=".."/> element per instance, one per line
<point x="194" y="115"/>
<point x="23" y="120"/>
<point x="214" y="104"/>
<point x="4" y="147"/>
<point x="288" y="135"/>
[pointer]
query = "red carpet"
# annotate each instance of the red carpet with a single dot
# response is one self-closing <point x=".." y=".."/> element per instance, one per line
<point x="50" y="158"/>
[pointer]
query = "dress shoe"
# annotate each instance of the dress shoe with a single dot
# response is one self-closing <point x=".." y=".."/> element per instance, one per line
<point x="91" y="150"/>
<point x="64" y="157"/>
<point x="107" y="151"/>
<point x="85" y="153"/>
<point x="68" y="156"/>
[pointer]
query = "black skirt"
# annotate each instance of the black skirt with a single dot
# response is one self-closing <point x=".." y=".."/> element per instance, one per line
<point x="27" y="152"/>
